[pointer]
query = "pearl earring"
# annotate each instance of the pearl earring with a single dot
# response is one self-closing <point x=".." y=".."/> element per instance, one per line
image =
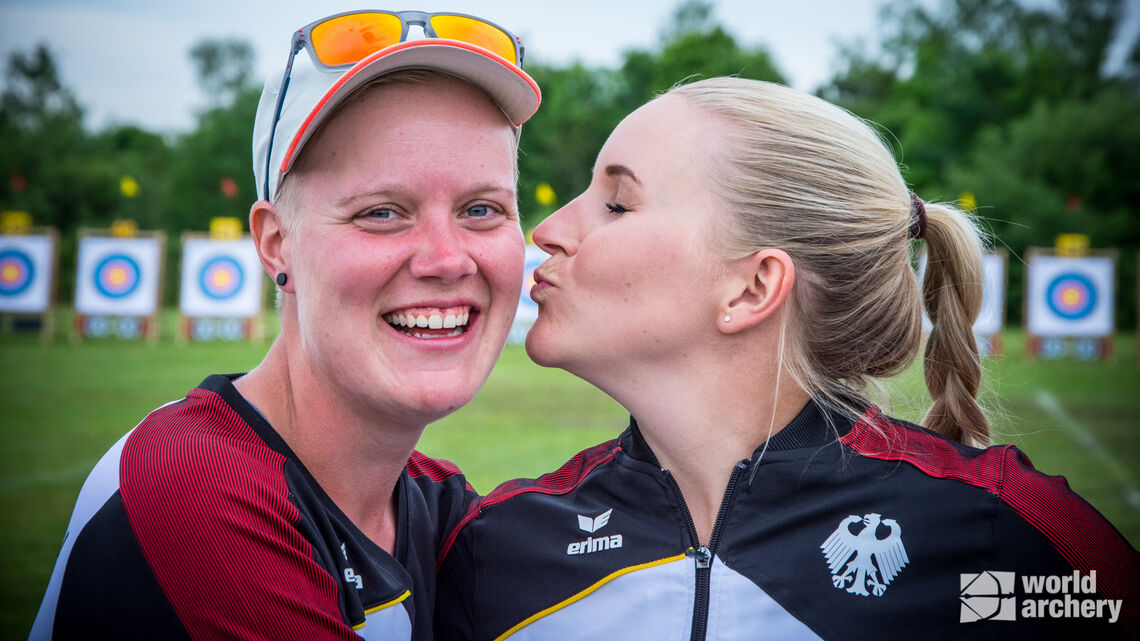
<point x="728" y="319"/>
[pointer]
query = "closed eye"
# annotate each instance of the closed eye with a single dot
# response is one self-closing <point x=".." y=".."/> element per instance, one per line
<point x="616" y="208"/>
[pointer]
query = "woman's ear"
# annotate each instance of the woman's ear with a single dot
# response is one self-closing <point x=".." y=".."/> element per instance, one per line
<point x="758" y="285"/>
<point x="268" y="230"/>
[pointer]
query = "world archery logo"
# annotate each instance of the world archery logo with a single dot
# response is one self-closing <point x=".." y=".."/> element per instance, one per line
<point x="988" y="596"/>
<point x="16" y="272"/>
<point x="861" y="561"/>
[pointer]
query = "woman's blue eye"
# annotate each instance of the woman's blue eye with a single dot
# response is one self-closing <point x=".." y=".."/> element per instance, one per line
<point x="615" y="208"/>
<point x="382" y="212"/>
<point x="479" y="211"/>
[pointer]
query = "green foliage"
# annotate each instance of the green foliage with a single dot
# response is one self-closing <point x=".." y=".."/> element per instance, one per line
<point x="580" y="106"/>
<point x="560" y="142"/>
<point x="1007" y="99"/>
<point x="223" y="68"/>
<point x="1012" y="102"/>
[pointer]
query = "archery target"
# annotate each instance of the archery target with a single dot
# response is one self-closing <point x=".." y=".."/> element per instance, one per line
<point x="220" y="279"/>
<point x="1070" y="296"/>
<point x="991" y="316"/>
<point x="26" y="266"/>
<point x="118" y="276"/>
<point x="16" y="272"/>
<point x="527" y="311"/>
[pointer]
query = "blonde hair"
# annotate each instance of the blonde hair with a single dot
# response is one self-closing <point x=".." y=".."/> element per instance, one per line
<point x="805" y="176"/>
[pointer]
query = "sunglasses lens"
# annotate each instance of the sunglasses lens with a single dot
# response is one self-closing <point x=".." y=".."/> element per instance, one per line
<point x="349" y="39"/>
<point x="476" y="32"/>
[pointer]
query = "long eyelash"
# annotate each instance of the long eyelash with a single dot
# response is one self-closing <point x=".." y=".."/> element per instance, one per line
<point x="616" y="208"/>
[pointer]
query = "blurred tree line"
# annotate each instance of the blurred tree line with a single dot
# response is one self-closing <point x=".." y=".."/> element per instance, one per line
<point x="1013" y="103"/>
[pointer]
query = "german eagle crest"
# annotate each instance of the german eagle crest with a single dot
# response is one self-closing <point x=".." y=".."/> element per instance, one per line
<point x="870" y="562"/>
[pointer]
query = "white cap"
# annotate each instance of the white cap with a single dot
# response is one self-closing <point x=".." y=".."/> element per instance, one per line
<point x="314" y="92"/>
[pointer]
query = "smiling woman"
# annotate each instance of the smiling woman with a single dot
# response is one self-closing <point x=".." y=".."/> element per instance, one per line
<point x="386" y="202"/>
<point x="388" y="220"/>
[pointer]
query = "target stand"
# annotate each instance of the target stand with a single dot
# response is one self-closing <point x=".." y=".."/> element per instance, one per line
<point x="1069" y="303"/>
<point x="222" y="286"/>
<point x="29" y="260"/>
<point x="118" y="283"/>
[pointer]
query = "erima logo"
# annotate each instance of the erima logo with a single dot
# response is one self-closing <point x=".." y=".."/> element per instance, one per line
<point x="589" y="526"/>
<point x="870" y="562"/>
<point x="592" y="544"/>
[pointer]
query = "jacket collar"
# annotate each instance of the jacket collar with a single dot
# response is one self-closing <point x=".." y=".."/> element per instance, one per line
<point x="814" y="426"/>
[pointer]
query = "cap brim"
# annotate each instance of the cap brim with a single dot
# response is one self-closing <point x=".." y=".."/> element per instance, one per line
<point x="515" y="92"/>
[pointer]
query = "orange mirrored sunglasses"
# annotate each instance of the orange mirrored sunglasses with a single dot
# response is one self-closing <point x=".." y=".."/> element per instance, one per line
<point x="348" y="38"/>
<point x="345" y="39"/>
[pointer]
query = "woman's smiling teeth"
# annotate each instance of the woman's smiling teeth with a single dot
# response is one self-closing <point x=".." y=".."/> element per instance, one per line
<point x="424" y="322"/>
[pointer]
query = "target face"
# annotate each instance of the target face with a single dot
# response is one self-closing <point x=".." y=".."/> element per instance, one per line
<point x="221" y="277"/>
<point x="1071" y="296"/>
<point x="117" y="276"/>
<point x="16" y="272"/>
<point x="528" y="282"/>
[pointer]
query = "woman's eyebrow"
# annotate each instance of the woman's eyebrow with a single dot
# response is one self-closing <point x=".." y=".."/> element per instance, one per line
<point x="621" y="170"/>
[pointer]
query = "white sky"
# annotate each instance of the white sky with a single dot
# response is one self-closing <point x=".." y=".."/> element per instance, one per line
<point x="128" y="61"/>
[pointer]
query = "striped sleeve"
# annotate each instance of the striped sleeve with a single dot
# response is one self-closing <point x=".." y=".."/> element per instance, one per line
<point x="1075" y="529"/>
<point x="209" y="505"/>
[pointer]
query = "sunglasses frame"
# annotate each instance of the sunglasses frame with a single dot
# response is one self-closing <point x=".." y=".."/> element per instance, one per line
<point x="407" y="19"/>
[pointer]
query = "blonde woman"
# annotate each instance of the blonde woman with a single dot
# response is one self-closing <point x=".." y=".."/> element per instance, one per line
<point x="736" y="272"/>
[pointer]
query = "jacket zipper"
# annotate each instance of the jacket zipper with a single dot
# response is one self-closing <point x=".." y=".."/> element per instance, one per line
<point x="703" y="555"/>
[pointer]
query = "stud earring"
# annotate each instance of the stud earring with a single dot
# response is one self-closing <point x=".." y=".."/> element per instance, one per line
<point x="728" y="319"/>
<point x="281" y="279"/>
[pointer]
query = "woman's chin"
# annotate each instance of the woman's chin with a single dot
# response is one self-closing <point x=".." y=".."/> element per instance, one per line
<point x="539" y="349"/>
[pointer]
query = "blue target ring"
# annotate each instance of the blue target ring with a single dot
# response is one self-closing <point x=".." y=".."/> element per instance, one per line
<point x="1071" y="296"/>
<point x="117" y="276"/>
<point x="221" y="277"/>
<point x="16" y="272"/>
<point x="528" y="282"/>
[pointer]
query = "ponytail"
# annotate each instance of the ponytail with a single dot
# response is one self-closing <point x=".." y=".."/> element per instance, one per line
<point x="952" y="296"/>
<point x="803" y="175"/>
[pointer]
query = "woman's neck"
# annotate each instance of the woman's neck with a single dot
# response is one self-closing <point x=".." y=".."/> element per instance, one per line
<point x="700" y="427"/>
<point x="354" y="455"/>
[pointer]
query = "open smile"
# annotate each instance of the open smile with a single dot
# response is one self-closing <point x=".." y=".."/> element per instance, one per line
<point x="431" y="322"/>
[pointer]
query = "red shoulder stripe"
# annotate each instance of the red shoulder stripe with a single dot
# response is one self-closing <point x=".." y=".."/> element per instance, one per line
<point x="560" y="481"/>
<point x="1080" y="534"/>
<point x="435" y="469"/>
<point x="210" y="507"/>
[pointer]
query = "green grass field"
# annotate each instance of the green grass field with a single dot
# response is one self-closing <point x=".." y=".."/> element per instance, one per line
<point x="64" y="404"/>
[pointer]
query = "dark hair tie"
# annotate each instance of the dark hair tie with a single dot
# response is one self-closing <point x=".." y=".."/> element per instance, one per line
<point x="917" y="216"/>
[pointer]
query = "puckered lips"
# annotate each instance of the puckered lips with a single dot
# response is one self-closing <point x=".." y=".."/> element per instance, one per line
<point x="432" y="322"/>
<point x="542" y="282"/>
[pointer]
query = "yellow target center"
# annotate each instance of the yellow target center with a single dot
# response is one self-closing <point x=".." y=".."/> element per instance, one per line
<point x="117" y="276"/>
